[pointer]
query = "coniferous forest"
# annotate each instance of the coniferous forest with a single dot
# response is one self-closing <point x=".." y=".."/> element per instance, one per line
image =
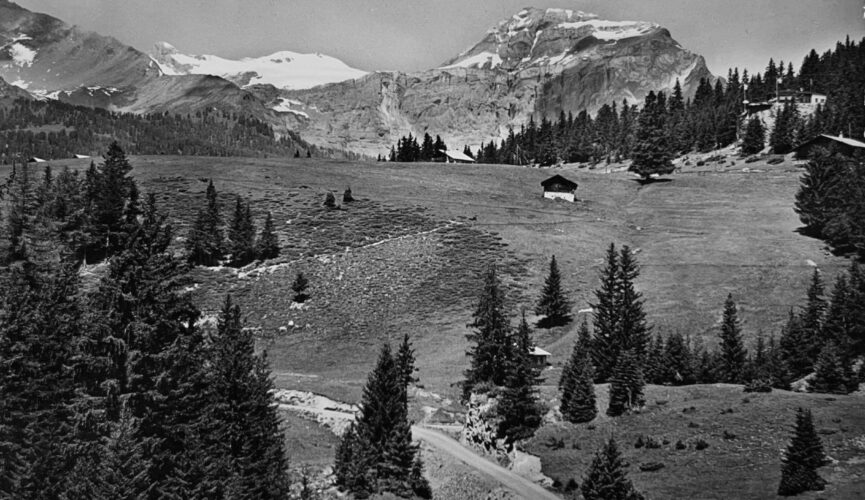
<point x="111" y="390"/>
<point x="52" y="129"/>
<point x="667" y="125"/>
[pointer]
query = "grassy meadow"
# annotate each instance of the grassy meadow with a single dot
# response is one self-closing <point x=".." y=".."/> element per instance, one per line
<point x="408" y="256"/>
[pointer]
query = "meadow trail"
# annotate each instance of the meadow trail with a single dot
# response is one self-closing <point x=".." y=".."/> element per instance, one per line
<point x="521" y="486"/>
<point x="337" y="417"/>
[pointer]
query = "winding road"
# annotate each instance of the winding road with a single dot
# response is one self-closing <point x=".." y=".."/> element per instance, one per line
<point x="521" y="486"/>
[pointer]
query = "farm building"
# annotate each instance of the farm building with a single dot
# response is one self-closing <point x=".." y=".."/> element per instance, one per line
<point x="557" y="187"/>
<point x="800" y="97"/>
<point x="539" y="356"/>
<point x="842" y="144"/>
<point x="457" y="157"/>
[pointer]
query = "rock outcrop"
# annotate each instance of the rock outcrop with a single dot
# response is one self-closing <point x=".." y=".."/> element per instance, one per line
<point x="537" y="64"/>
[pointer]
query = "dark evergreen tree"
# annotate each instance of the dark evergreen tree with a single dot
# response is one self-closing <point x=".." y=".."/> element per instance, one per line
<point x="626" y="385"/>
<point x="832" y="372"/>
<point x="241" y="424"/>
<point x="376" y="455"/>
<point x="491" y="352"/>
<point x="655" y="366"/>
<point x="632" y="332"/>
<point x="107" y="214"/>
<point x="811" y="318"/>
<point x="205" y="243"/>
<point x="678" y="365"/>
<point x="576" y="386"/>
<point x="606" y="478"/>
<point x="267" y="244"/>
<point x="733" y="352"/>
<point x="793" y="347"/>
<point x="39" y="321"/>
<point x="652" y="153"/>
<point x="241" y="235"/>
<point x="606" y="318"/>
<point x="299" y="287"/>
<point x="803" y="457"/>
<point x="405" y="360"/>
<point x="755" y="137"/>
<point x="518" y="408"/>
<point x="553" y="304"/>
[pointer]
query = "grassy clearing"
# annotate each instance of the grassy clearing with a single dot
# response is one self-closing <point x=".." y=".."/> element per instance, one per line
<point x="745" y="434"/>
<point x="713" y="230"/>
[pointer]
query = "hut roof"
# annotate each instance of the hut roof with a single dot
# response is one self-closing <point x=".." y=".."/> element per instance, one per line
<point x="559" y="180"/>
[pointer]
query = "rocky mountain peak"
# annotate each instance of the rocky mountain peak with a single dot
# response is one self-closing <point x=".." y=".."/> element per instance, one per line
<point x="533" y="37"/>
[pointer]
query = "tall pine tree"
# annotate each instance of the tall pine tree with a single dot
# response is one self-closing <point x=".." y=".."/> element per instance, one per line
<point x="553" y="304"/>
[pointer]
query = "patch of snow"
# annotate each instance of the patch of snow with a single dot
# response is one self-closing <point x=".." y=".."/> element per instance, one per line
<point x="285" y="69"/>
<point x="811" y="263"/>
<point x="21" y="83"/>
<point x="478" y="61"/>
<point x="611" y="30"/>
<point x="22" y="55"/>
<point x="284" y="106"/>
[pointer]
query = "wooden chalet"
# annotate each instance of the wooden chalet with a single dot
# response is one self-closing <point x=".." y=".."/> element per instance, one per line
<point x="557" y="187"/>
<point x="842" y="144"/>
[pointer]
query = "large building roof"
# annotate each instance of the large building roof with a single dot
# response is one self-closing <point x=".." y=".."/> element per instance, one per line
<point x="458" y="156"/>
<point x="559" y="180"/>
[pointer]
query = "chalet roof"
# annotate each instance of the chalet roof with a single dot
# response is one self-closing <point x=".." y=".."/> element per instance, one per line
<point x="34" y="159"/>
<point x="843" y="140"/>
<point x="558" y="179"/>
<point x="537" y="351"/>
<point x="458" y="156"/>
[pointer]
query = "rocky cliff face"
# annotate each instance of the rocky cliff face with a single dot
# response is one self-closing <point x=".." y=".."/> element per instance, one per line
<point x="538" y="63"/>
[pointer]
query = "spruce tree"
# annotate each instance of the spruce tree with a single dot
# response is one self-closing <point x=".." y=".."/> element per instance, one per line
<point x="241" y="423"/>
<point x="832" y="373"/>
<point x="793" y="347"/>
<point x="405" y="360"/>
<point x="376" y="455"/>
<point x="491" y="351"/>
<point x="652" y="153"/>
<point x="107" y="216"/>
<point x="632" y="332"/>
<point x="626" y="385"/>
<point x="576" y="386"/>
<point x="677" y="361"/>
<point x="518" y="409"/>
<point x="39" y="322"/>
<point x="733" y="353"/>
<point x="655" y="367"/>
<point x="803" y="457"/>
<point x="553" y="304"/>
<point x="267" y="245"/>
<point x="606" y="478"/>
<point x="299" y="286"/>
<point x="755" y="137"/>
<point x="606" y="318"/>
<point x="241" y="234"/>
<point x="205" y="243"/>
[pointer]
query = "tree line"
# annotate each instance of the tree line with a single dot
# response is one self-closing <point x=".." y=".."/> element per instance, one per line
<point x="110" y="388"/>
<point x="668" y="125"/>
<point x="831" y="201"/>
<point x="408" y="149"/>
<point x="51" y="129"/>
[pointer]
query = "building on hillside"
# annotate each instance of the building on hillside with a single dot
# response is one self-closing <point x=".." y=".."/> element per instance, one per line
<point x="34" y="159"/>
<point x="800" y="97"/>
<point x="539" y="357"/>
<point x="456" y="157"/>
<point x="557" y="187"/>
<point x="842" y="144"/>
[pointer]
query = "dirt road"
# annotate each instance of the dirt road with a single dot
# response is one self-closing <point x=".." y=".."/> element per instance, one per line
<point x="521" y="486"/>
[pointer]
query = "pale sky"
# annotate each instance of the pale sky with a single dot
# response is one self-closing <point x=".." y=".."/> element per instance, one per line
<point x="411" y="35"/>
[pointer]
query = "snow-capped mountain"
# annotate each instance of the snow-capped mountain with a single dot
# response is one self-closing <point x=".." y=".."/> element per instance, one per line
<point x="537" y="63"/>
<point x="283" y="70"/>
